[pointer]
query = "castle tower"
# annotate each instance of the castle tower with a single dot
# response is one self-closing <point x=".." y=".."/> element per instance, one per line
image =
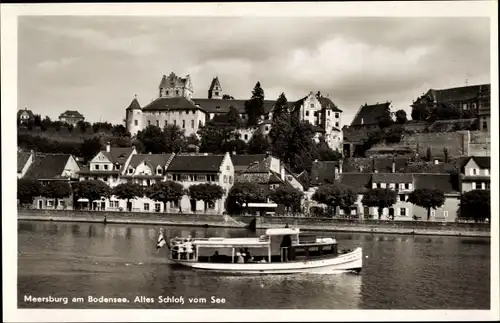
<point x="134" y="117"/>
<point x="215" y="90"/>
<point x="174" y="86"/>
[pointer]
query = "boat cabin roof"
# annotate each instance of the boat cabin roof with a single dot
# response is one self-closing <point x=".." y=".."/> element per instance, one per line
<point x="231" y="242"/>
<point x="282" y="231"/>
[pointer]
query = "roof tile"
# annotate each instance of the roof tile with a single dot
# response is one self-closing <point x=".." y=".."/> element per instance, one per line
<point x="196" y="163"/>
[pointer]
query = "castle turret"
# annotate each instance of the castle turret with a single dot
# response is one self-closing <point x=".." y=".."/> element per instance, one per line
<point x="174" y="86"/>
<point x="215" y="90"/>
<point x="134" y="117"/>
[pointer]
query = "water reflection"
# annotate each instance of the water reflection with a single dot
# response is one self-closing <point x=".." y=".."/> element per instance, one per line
<point x="400" y="271"/>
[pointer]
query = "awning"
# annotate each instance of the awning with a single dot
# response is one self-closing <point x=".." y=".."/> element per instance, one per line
<point x="269" y="205"/>
<point x="83" y="200"/>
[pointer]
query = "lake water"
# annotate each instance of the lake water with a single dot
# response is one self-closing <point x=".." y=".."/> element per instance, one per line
<point x="400" y="272"/>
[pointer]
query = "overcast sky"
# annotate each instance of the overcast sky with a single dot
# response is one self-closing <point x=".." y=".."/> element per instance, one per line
<point x="97" y="64"/>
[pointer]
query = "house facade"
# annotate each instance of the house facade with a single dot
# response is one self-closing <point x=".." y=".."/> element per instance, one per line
<point x="25" y="116"/>
<point x="176" y="105"/>
<point x="475" y="173"/>
<point x="71" y="117"/>
<point x="48" y="168"/>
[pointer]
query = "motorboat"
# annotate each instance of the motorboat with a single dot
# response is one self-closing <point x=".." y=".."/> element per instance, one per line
<point x="297" y="253"/>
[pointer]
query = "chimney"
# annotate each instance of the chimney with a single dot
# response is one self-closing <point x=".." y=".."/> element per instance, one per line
<point x="108" y="147"/>
<point x="393" y="165"/>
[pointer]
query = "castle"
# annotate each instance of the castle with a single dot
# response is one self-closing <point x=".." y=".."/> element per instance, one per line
<point x="175" y="105"/>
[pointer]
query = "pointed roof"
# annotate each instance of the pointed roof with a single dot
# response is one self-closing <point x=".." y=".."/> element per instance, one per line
<point x="215" y="82"/>
<point x="118" y="154"/>
<point x="134" y="105"/>
<point x="47" y="166"/>
<point x="370" y="114"/>
<point x="154" y="160"/>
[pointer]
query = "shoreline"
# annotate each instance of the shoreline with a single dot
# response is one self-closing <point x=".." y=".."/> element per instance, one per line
<point x="234" y="225"/>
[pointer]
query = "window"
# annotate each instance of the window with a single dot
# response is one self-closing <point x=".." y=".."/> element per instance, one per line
<point x="157" y="123"/>
<point x="159" y="171"/>
<point x="168" y="92"/>
<point x="473" y="185"/>
<point x="445" y="214"/>
<point x="485" y="125"/>
<point x="246" y="137"/>
<point x="464" y="106"/>
<point x="106" y="167"/>
<point x="337" y="114"/>
<point x="402" y="198"/>
<point x="216" y="93"/>
<point x="312" y="105"/>
<point x="307" y="113"/>
<point x="49" y="202"/>
<point x="225" y="178"/>
<point x="201" y="178"/>
<point x="146" y="206"/>
<point x="194" y="111"/>
<point x="227" y="167"/>
<point x="487" y="172"/>
<point x="383" y="185"/>
<point x="267" y="128"/>
<point x="130" y="170"/>
<point x="243" y="116"/>
<point x="149" y="122"/>
<point x="488" y="186"/>
<point x="113" y="204"/>
<point x="62" y="203"/>
<point x="402" y="211"/>
<point x="96" y="166"/>
<point x="336" y="124"/>
<point x="211" y="205"/>
<point x="407" y="186"/>
<point x="433" y="213"/>
<point x="473" y="171"/>
<point x="166" y="123"/>
<point x="187" y="111"/>
<point x="136" y="122"/>
<point x="328" y="112"/>
<point x="230" y="180"/>
<point x="157" y="207"/>
<point x="184" y="177"/>
<point x="392" y="186"/>
<point x="315" y="113"/>
<point x="374" y="185"/>
<point x="192" y="124"/>
<point x="177" y="92"/>
<point x="483" y="185"/>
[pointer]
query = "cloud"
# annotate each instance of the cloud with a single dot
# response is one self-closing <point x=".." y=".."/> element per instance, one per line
<point x="354" y="60"/>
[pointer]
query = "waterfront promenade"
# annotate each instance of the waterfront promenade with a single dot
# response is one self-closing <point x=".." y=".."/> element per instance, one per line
<point x="223" y="221"/>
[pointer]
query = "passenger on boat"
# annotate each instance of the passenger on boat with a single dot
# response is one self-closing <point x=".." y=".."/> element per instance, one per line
<point x="240" y="259"/>
<point x="215" y="257"/>
<point x="246" y="255"/>
<point x="189" y="250"/>
<point x="285" y="245"/>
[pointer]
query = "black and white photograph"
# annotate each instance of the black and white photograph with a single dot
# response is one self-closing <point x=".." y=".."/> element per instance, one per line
<point x="290" y="156"/>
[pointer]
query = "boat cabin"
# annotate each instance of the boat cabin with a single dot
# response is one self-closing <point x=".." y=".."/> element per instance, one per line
<point x="276" y="245"/>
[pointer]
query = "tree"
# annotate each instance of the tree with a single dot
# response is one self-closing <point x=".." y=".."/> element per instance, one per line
<point x="120" y="141"/>
<point x="427" y="198"/>
<point x="174" y="139"/>
<point x="393" y="134"/>
<point x="57" y="190"/>
<point x="27" y="190"/>
<point x="476" y="204"/>
<point x="420" y="113"/>
<point x="401" y="117"/>
<point x="119" y="131"/>
<point x="90" y="147"/>
<point x="206" y="192"/>
<point x="335" y="195"/>
<point x="280" y="128"/>
<point x="46" y="124"/>
<point x="92" y="190"/>
<point x="258" y="144"/>
<point x="428" y="154"/>
<point x="236" y="145"/>
<point x="254" y="107"/>
<point x="218" y="133"/>
<point x="83" y="126"/>
<point x="165" y="192"/>
<point x="326" y="153"/>
<point x="233" y="118"/>
<point x="153" y="140"/>
<point x="380" y="198"/>
<point x="128" y="191"/>
<point x="301" y="150"/>
<point x="286" y="195"/>
<point x="385" y="120"/>
<point x="227" y="97"/>
<point x="243" y="193"/>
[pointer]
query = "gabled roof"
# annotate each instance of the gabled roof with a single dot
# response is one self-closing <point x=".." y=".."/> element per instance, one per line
<point x="22" y="159"/>
<point x="323" y="172"/>
<point x="176" y="103"/>
<point x="134" y="105"/>
<point x="446" y="183"/>
<point x="154" y="160"/>
<point x="47" y="166"/>
<point x="458" y="93"/>
<point x="327" y="103"/>
<point x="222" y="106"/>
<point x="71" y="113"/>
<point x="303" y="179"/>
<point x="241" y="162"/>
<point x="275" y="178"/>
<point x="481" y="161"/>
<point x="215" y="82"/>
<point x="263" y="166"/>
<point x="392" y="178"/>
<point x="370" y="114"/>
<point x="29" y="112"/>
<point x="359" y="182"/>
<point x="118" y="154"/>
<point x="196" y="163"/>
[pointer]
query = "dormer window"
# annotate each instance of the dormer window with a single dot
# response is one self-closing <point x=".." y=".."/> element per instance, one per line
<point x="130" y="170"/>
<point x="159" y="170"/>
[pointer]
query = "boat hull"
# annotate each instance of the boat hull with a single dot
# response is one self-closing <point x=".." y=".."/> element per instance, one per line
<point x="352" y="261"/>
